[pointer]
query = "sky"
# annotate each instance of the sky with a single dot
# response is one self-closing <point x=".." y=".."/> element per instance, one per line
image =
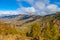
<point x="40" y="7"/>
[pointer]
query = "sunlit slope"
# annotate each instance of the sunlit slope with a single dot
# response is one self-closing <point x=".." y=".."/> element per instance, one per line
<point x="20" y="20"/>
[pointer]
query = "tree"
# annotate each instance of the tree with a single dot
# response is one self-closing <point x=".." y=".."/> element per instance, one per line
<point x="35" y="30"/>
<point x="51" y="31"/>
<point x="54" y="32"/>
<point x="47" y="32"/>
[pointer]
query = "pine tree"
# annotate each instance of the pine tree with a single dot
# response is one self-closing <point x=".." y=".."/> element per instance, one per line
<point x="35" y="30"/>
<point x="54" y="32"/>
<point x="51" y="32"/>
<point x="47" y="32"/>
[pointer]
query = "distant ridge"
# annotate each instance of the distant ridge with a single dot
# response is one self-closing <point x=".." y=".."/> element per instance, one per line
<point x="23" y="19"/>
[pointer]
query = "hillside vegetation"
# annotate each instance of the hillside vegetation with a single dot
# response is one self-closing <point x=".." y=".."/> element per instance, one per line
<point x="32" y="28"/>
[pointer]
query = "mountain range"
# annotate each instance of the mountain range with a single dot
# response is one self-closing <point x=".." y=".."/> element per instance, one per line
<point x="22" y="19"/>
<point x="30" y="27"/>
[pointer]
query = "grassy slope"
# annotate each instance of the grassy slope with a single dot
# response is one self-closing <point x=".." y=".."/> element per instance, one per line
<point x="16" y="29"/>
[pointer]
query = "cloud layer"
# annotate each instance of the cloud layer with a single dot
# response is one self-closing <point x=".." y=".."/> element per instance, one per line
<point x="38" y="7"/>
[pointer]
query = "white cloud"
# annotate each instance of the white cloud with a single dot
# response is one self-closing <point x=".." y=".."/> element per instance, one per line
<point x="58" y="10"/>
<point x="22" y="10"/>
<point x="2" y="13"/>
<point x="38" y="7"/>
<point x="28" y="10"/>
<point x="52" y="7"/>
<point x="32" y="2"/>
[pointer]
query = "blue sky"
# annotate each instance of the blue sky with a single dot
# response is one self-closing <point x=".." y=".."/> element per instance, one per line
<point x="8" y="5"/>
<point x="57" y="2"/>
<point x="39" y="6"/>
<point x="13" y="5"/>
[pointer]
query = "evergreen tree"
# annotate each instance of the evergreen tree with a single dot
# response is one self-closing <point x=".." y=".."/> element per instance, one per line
<point x="47" y="32"/>
<point x="51" y="32"/>
<point x="54" y="32"/>
<point x="35" y="30"/>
